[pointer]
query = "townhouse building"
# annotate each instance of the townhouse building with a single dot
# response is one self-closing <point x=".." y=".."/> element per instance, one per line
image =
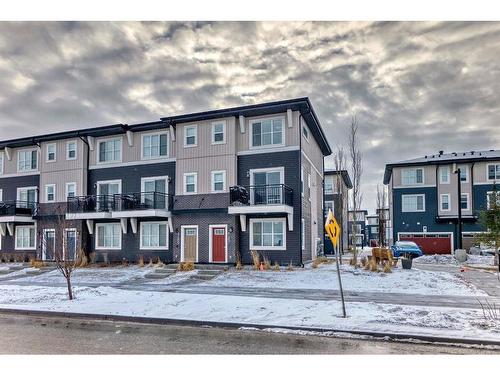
<point x="424" y="197"/>
<point x="336" y="188"/>
<point x="372" y="230"/>
<point x="207" y="187"/>
<point x="357" y="218"/>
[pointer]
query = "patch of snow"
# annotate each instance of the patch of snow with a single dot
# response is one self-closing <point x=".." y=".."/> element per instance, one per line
<point x="353" y="279"/>
<point x="449" y="259"/>
<point x="175" y="278"/>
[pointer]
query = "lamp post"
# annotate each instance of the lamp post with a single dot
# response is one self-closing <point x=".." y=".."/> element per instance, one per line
<point x="459" y="242"/>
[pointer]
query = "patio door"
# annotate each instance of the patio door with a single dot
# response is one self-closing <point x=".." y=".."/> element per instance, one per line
<point x="70" y="250"/>
<point x="266" y="187"/>
<point x="26" y="197"/>
<point x="150" y="186"/>
<point x="49" y="244"/>
<point x="189" y="244"/>
<point x="105" y="192"/>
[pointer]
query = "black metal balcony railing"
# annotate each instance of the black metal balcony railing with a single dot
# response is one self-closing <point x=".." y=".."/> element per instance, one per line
<point x="143" y="201"/>
<point x="261" y="195"/>
<point x="21" y="208"/>
<point x="119" y="202"/>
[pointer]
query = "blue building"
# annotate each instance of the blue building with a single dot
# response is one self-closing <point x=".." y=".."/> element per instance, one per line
<point x="357" y="224"/>
<point x="372" y="230"/>
<point x="424" y="197"/>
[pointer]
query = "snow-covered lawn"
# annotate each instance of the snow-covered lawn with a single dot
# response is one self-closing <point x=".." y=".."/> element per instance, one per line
<point x="487" y="260"/>
<point x="386" y="318"/>
<point x="325" y="277"/>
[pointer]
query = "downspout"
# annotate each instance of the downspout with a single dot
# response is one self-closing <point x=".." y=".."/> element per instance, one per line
<point x="87" y="161"/>
<point x="301" y="183"/>
<point x="438" y="196"/>
<point x="472" y="189"/>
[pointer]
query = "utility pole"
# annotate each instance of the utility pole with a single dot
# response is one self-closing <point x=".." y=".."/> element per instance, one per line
<point x="459" y="242"/>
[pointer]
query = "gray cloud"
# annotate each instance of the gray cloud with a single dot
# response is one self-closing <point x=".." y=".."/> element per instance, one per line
<point x="415" y="87"/>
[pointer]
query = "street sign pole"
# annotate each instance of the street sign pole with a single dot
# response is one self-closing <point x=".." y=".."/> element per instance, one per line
<point x="340" y="281"/>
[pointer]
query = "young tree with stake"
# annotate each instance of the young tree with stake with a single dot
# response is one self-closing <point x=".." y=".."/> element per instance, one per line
<point x="356" y="173"/>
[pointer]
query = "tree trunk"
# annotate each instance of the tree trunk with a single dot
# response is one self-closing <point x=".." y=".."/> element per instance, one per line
<point x="70" y="289"/>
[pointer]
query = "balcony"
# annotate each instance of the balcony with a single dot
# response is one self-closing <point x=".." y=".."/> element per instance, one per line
<point x="261" y="199"/>
<point x="17" y="211"/>
<point x="89" y="207"/>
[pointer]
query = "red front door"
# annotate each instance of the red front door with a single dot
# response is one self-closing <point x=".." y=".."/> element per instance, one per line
<point x="219" y="244"/>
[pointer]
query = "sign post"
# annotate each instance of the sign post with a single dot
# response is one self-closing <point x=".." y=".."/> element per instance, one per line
<point x="333" y="230"/>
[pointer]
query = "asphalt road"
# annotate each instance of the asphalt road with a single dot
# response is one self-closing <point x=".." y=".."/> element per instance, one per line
<point x="34" y="335"/>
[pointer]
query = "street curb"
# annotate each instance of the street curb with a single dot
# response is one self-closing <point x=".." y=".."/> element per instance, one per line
<point x="201" y="323"/>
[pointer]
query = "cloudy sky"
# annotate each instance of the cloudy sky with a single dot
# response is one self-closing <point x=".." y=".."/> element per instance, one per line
<point x="415" y="88"/>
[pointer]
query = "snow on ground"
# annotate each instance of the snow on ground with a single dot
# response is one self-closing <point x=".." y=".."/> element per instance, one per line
<point x="175" y="278"/>
<point x="325" y="277"/>
<point x="386" y="318"/>
<point x="95" y="275"/>
<point x="450" y="259"/>
<point x="15" y="273"/>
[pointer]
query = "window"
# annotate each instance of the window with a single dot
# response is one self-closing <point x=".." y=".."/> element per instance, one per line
<point x="372" y="221"/>
<point x="51" y="152"/>
<point x="27" y="196"/>
<point x="413" y="203"/>
<point x="27" y="160"/>
<point x="374" y="230"/>
<point x="218" y="181"/>
<point x="70" y="190"/>
<point x="489" y="198"/>
<point x="302" y="181"/>
<point x="267" y="234"/>
<point x="309" y="186"/>
<point x="464" y="173"/>
<point x="303" y="231"/>
<point x="109" y="236"/>
<point x="445" y="202"/>
<point x="190" y="183"/>
<point x="154" y="235"/>
<point x="328" y="185"/>
<point x="305" y="132"/>
<point x="357" y="228"/>
<point x="155" y="190"/>
<point x="25" y="237"/>
<point x="329" y="206"/>
<point x="444" y="175"/>
<point x="493" y="171"/>
<point x="1" y="163"/>
<point x="464" y="201"/>
<point x="154" y="145"/>
<point x="266" y="186"/>
<point x="267" y="132"/>
<point x="71" y="150"/>
<point x="50" y="193"/>
<point x="218" y="133"/>
<point x="105" y="192"/>
<point x="110" y="150"/>
<point x="413" y="176"/>
<point x="191" y="136"/>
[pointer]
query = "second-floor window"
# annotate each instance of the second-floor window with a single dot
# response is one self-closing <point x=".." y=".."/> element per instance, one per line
<point x="413" y="203"/>
<point x="444" y="175"/>
<point x="154" y="145"/>
<point x="328" y="185"/>
<point x="71" y="150"/>
<point x="412" y="176"/>
<point x="374" y="230"/>
<point x="50" y="193"/>
<point x="27" y="160"/>
<point x="445" y="202"/>
<point x="70" y="190"/>
<point x="51" y="152"/>
<point x="190" y="183"/>
<point x="464" y="173"/>
<point x="267" y="132"/>
<point x="190" y="136"/>
<point x="218" y="133"/>
<point x="218" y="181"/>
<point x="464" y="201"/>
<point x="329" y="206"/>
<point x="494" y="172"/>
<point x="110" y="150"/>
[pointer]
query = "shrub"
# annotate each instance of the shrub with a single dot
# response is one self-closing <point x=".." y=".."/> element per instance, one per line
<point x="276" y="266"/>
<point x="140" y="262"/>
<point x="373" y="265"/>
<point x="255" y="259"/>
<point x="319" y="260"/>
<point x="267" y="264"/>
<point x="159" y="263"/>
<point x="150" y="264"/>
<point x="92" y="257"/>
<point x="37" y="263"/>
<point x="239" y="266"/>
<point x="124" y="262"/>
<point x="387" y="267"/>
<point x="364" y="261"/>
<point x="290" y="266"/>
<point x="185" y="266"/>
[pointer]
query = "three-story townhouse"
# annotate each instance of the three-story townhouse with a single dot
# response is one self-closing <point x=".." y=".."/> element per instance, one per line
<point x="206" y="187"/>
<point x="424" y="197"/>
<point x="372" y="230"/>
<point x="337" y="200"/>
<point x="357" y="219"/>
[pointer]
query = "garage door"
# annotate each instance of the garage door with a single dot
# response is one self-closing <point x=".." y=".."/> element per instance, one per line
<point x="430" y="243"/>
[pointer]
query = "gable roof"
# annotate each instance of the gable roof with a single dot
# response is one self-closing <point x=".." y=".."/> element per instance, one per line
<point x="344" y="173"/>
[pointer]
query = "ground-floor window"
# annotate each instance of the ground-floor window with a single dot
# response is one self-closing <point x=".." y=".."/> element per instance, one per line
<point x="109" y="236"/>
<point x="154" y="235"/>
<point x="25" y="237"/>
<point x="267" y="234"/>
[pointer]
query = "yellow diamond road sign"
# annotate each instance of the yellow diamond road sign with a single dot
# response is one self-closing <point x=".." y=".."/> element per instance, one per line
<point x="332" y="228"/>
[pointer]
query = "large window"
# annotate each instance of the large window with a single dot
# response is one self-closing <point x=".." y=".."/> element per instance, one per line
<point x="154" y="235"/>
<point x="109" y="236"/>
<point x="110" y="150"/>
<point x="25" y="237"/>
<point x="154" y="145"/>
<point x="27" y="160"/>
<point x="413" y="203"/>
<point x="218" y="181"/>
<point x="218" y="133"/>
<point x="191" y="136"/>
<point x="412" y="176"/>
<point x="27" y="196"/>
<point x="493" y="172"/>
<point x="267" y="132"/>
<point x="190" y="183"/>
<point x="267" y="234"/>
<point x="444" y="175"/>
<point x="445" y="202"/>
<point x="71" y="150"/>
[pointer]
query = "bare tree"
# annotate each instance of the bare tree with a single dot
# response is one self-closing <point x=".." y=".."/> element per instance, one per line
<point x="340" y="165"/>
<point x="59" y="244"/>
<point x="356" y="174"/>
<point x="381" y="206"/>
